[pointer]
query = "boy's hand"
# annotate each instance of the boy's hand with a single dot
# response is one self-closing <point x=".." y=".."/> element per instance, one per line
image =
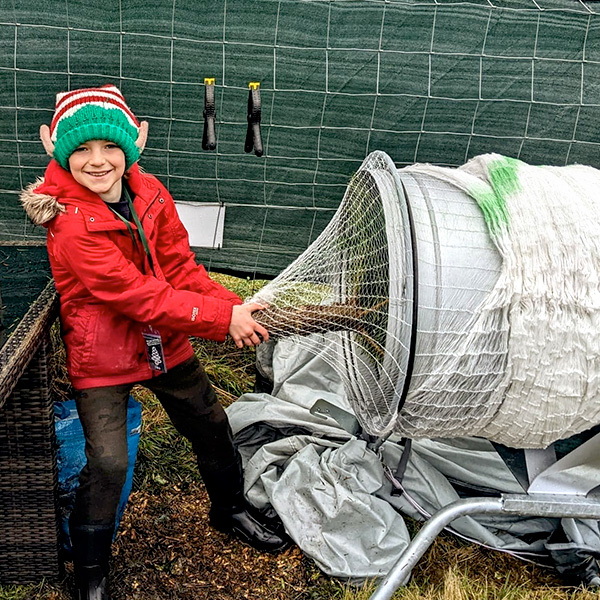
<point x="244" y="329"/>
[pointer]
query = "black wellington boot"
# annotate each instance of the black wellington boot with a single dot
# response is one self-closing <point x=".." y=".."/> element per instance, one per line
<point x="231" y="513"/>
<point x="90" y="546"/>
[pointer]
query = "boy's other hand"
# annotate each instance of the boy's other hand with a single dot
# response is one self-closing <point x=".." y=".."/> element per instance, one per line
<point x="243" y="329"/>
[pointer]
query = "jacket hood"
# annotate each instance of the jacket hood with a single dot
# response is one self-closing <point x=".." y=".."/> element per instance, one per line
<point x="41" y="198"/>
<point x="40" y="208"/>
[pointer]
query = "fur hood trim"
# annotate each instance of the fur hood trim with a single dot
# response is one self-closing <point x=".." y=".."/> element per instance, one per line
<point x="40" y="208"/>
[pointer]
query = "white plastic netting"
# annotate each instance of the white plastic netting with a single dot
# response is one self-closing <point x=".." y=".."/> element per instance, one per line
<point x="461" y="301"/>
<point x="542" y="316"/>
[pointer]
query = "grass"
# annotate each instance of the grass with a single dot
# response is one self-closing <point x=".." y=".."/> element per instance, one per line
<point x="165" y="548"/>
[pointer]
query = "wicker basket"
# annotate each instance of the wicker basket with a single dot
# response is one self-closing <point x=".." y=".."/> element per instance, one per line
<point x="29" y="548"/>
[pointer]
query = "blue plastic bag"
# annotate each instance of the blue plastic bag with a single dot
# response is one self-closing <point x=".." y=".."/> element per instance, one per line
<point x="71" y="458"/>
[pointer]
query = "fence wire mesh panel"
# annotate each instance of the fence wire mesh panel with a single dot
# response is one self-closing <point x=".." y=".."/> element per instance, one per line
<point x="425" y="81"/>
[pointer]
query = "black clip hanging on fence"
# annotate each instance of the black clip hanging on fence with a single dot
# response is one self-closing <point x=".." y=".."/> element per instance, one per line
<point x="209" y="140"/>
<point x="253" y="139"/>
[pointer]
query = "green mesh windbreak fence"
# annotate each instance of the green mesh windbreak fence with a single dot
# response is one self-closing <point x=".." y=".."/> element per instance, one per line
<point x="426" y="81"/>
<point x="24" y="273"/>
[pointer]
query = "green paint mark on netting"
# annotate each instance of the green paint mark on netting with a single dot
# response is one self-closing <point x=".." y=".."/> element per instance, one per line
<point x="504" y="181"/>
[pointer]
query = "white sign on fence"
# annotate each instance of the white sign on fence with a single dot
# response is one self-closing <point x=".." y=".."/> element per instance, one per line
<point x="204" y="223"/>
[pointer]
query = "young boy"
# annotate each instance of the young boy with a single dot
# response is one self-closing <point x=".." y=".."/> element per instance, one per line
<point x="130" y="295"/>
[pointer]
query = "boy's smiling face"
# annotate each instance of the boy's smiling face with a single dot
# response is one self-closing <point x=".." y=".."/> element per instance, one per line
<point x="99" y="165"/>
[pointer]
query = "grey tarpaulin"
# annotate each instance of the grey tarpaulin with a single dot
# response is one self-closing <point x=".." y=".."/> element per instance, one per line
<point x="330" y="489"/>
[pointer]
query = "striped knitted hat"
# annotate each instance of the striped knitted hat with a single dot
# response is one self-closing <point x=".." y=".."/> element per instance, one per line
<point x="93" y="114"/>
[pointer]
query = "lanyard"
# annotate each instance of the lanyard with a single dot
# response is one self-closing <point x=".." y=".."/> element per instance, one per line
<point x="140" y="229"/>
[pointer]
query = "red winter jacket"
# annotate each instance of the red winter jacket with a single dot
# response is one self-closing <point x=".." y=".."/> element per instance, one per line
<point x="108" y="293"/>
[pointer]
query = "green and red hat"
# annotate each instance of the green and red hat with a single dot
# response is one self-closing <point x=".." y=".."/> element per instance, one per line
<point x="93" y="114"/>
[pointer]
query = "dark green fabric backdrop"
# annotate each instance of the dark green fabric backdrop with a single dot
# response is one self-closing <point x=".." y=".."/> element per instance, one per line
<point x="435" y="81"/>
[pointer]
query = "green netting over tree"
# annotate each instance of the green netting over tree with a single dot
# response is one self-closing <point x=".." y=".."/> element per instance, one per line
<point x="429" y="81"/>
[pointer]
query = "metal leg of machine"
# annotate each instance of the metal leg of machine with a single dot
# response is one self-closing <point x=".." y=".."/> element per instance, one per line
<point x="527" y="505"/>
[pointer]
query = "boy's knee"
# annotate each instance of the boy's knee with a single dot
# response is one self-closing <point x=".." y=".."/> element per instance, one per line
<point x="110" y="468"/>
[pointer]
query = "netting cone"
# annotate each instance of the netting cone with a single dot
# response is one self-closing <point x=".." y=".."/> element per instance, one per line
<point x="349" y="287"/>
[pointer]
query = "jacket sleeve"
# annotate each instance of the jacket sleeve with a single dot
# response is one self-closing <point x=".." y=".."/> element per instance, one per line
<point x="101" y="267"/>
<point x="178" y="262"/>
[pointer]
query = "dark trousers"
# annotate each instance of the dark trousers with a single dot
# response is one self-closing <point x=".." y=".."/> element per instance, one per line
<point x="191" y="403"/>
